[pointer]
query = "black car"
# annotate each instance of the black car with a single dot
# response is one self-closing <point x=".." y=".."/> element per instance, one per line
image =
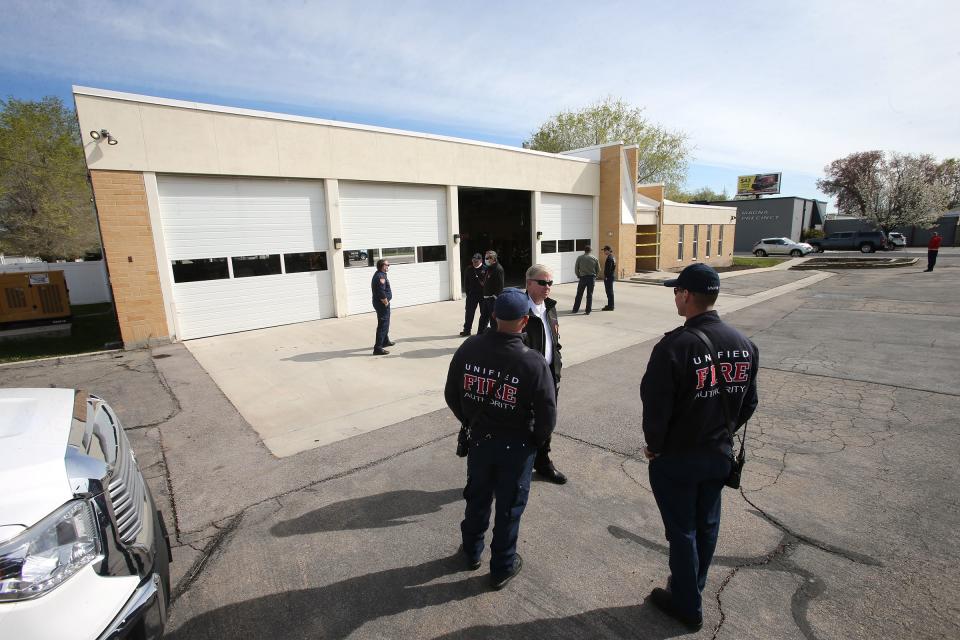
<point x="864" y="241"/>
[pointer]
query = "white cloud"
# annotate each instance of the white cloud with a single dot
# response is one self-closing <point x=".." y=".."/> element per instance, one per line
<point x="775" y="86"/>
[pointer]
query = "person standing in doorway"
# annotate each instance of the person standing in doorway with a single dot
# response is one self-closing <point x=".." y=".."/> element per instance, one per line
<point x="587" y="269"/>
<point x="609" y="275"/>
<point x="492" y="286"/>
<point x="473" y="286"/>
<point x="504" y="391"/>
<point x="543" y="335"/>
<point x="933" y="248"/>
<point x="688" y="443"/>
<point x="382" y="295"/>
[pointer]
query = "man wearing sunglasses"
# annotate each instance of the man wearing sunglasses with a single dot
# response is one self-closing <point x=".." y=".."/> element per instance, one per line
<point x="543" y="335"/>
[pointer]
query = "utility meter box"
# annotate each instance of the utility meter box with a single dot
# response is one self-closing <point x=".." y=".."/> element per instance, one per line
<point x="33" y="298"/>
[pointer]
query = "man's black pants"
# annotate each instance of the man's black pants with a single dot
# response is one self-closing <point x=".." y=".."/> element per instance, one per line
<point x="931" y="259"/>
<point x="473" y="301"/>
<point x="586" y="282"/>
<point x="608" y="287"/>
<point x="687" y="489"/>
<point x="486" y="308"/>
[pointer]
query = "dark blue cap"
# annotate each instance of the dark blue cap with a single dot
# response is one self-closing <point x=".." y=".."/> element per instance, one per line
<point x="697" y="277"/>
<point x="512" y="304"/>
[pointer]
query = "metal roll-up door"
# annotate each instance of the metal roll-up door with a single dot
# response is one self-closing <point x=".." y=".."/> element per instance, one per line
<point x="244" y="253"/>
<point x="567" y="224"/>
<point x="404" y="223"/>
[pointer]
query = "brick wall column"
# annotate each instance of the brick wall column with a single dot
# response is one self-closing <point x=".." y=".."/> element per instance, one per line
<point x="128" y="250"/>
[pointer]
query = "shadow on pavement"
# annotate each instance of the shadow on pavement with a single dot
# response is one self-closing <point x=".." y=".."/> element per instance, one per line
<point x="388" y="509"/>
<point x="338" y="609"/>
<point x="636" y="621"/>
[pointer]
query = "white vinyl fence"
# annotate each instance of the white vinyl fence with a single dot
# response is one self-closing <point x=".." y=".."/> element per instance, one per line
<point x="87" y="281"/>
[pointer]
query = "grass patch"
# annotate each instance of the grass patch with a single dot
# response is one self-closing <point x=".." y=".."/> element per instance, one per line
<point x="756" y="263"/>
<point x="94" y="325"/>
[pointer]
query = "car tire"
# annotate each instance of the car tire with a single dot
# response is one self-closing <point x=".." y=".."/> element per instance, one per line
<point x="796" y="253"/>
<point x="866" y="247"/>
<point x="760" y="253"/>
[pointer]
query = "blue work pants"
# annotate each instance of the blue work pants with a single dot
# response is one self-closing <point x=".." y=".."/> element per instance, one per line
<point x="383" y="324"/>
<point x="496" y="468"/>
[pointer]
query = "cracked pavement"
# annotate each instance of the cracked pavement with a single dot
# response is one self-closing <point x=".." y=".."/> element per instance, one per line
<point x="845" y="527"/>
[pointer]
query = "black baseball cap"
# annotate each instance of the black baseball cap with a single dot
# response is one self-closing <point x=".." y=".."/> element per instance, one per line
<point x="697" y="277"/>
<point x="477" y="256"/>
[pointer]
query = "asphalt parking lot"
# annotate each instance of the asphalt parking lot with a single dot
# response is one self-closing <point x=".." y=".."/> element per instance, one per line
<point x="845" y="527"/>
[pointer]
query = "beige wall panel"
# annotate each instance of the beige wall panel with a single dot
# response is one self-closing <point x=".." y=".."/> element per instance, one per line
<point x="304" y="150"/>
<point x="697" y="215"/>
<point x="175" y="138"/>
<point x="246" y="146"/>
<point x="179" y="140"/>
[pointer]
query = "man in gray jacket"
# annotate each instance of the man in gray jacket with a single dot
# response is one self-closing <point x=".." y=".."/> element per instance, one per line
<point x="587" y="269"/>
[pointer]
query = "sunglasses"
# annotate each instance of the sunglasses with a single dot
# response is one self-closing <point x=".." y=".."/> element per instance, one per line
<point x="544" y="283"/>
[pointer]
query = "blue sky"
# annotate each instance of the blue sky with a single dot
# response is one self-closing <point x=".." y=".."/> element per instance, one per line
<point x="758" y="86"/>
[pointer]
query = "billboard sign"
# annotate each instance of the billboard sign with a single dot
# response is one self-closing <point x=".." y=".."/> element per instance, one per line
<point x="758" y="184"/>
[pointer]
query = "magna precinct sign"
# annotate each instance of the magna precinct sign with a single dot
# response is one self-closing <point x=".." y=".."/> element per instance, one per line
<point x="758" y="184"/>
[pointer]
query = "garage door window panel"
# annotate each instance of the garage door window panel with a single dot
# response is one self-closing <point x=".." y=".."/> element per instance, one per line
<point x="360" y="257"/>
<point x="564" y="246"/>
<point x="582" y="244"/>
<point x="400" y="255"/>
<point x="200" y="269"/>
<point x="433" y="253"/>
<point x="303" y="262"/>
<point x="259" y="265"/>
<point x="548" y="246"/>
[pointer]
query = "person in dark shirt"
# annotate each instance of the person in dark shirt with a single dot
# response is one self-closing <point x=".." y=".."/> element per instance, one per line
<point x="504" y="392"/>
<point x="609" y="275"/>
<point x="688" y="444"/>
<point x="382" y="295"/>
<point x="492" y="286"/>
<point x="473" y="278"/>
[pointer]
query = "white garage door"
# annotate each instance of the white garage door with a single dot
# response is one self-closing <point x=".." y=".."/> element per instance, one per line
<point x="407" y="224"/>
<point x="245" y="253"/>
<point x="567" y="225"/>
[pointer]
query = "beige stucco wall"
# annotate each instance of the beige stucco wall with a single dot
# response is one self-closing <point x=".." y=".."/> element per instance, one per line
<point x="164" y="136"/>
<point x="681" y="213"/>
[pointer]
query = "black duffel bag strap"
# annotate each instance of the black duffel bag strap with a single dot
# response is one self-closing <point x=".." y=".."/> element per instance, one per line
<point x="731" y="424"/>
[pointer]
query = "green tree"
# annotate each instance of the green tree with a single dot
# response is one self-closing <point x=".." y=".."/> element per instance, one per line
<point x="45" y="199"/>
<point x="663" y="155"/>
<point x="891" y="190"/>
<point x="703" y="193"/>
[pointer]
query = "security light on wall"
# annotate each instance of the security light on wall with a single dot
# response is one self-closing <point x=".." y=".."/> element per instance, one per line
<point x="337" y="243"/>
<point x="456" y="238"/>
<point x="103" y="134"/>
<point x="539" y="234"/>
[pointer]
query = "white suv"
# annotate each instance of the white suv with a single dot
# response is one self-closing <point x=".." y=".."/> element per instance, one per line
<point x="84" y="553"/>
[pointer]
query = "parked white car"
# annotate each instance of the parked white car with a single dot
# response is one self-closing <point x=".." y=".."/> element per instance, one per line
<point x="781" y="246"/>
<point x="897" y="239"/>
<point x="84" y="553"/>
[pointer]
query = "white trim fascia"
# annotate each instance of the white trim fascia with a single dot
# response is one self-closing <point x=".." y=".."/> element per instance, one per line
<point x="696" y="206"/>
<point x="592" y="147"/>
<point x="631" y="146"/>
<point x="253" y="113"/>
<point x="652" y="184"/>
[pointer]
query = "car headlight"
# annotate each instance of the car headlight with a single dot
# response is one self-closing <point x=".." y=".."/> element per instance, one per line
<point x="45" y="555"/>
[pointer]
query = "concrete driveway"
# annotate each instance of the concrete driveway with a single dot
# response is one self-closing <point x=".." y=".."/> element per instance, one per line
<point x="310" y="384"/>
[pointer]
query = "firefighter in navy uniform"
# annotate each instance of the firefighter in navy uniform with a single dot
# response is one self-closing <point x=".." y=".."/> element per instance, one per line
<point x="473" y="279"/>
<point x="492" y="286"/>
<point x="382" y="295"/>
<point x="505" y="392"/>
<point x="687" y="441"/>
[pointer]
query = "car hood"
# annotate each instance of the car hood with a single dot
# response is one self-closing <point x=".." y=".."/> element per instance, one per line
<point x="34" y="429"/>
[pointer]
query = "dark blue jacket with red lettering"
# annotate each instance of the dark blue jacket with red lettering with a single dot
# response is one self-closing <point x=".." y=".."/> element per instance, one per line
<point x="527" y="402"/>
<point x="380" y="287"/>
<point x="681" y="390"/>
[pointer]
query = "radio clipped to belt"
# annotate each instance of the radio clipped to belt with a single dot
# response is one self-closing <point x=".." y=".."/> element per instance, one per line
<point x="466" y="430"/>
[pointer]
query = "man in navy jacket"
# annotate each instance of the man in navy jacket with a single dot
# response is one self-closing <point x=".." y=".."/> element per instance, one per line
<point x="382" y="295"/>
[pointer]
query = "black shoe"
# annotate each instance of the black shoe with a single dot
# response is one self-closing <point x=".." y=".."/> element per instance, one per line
<point x="663" y="600"/>
<point x="499" y="581"/>
<point x="469" y="562"/>
<point x="550" y="472"/>
<point x="464" y="334"/>
<point x="586" y="313"/>
<point x="389" y="344"/>
<point x="607" y="309"/>
<point x="575" y="311"/>
<point x="380" y="352"/>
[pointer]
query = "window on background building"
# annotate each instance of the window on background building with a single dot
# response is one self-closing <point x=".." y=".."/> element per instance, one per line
<point x="399" y="255"/>
<point x="565" y="245"/>
<point x="301" y="262"/>
<point x="262" y="265"/>
<point x="720" y="242"/>
<point x="696" y="240"/>
<point x="548" y="246"/>
<point x="433" y="253"/>
<point x="709" y="240"/>
<point x="360" y="257"/>
<point x="200" y="269"/>
<point x="680" y="243"/>
<point x="583" y="243"/>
